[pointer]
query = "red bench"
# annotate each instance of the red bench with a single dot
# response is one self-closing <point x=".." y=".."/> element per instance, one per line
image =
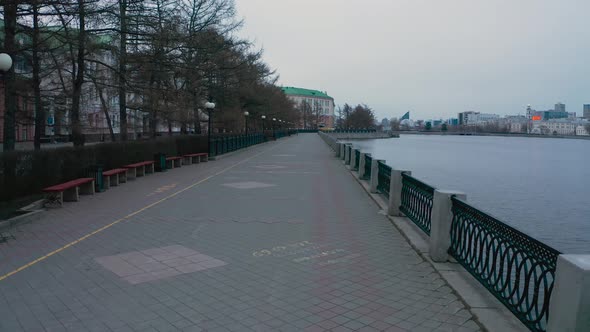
<point x="195" y="158"/>
<point x="70" y="191"/>
<point x="173" y="162"/>
<point x="139" y="169"/>
<point x="114" y="177"/>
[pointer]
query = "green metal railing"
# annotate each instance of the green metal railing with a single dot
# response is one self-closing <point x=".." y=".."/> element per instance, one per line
<point x="221" y="145"/>
<point x="417" y="201"/>
<point x="368" y="161"/>
<point x="517" y="269"/>
<point x="357" y="159"/>
<point x="383" y="177"/>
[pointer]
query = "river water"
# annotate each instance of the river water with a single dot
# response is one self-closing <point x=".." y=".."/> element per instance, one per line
<point x="540" y="186"/>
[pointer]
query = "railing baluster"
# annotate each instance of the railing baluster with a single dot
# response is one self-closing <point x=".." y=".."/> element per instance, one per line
<point x="520" y="271"/>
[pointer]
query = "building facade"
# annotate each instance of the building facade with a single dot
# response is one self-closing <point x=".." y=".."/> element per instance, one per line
<point x="475" y="118"/>
<point x="25" y="112"/>
<point x="559" y="107"/>
<point x="586" y="113"/>
<point x="316" y="107"/>
<point x="582" y="131"/>
<point x="25" y="106"/>
<point x="559" y="127"/>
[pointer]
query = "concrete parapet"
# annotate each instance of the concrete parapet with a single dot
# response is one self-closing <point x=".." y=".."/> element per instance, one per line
<point x="338" y="149"/>
<point x="374" y="175"/>
<point x="395" y="192"/>
<point x="570" y="301"/>
<point x="440" y="223"/>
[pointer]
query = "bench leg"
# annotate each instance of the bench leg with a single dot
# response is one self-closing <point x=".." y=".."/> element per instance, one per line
<point x="151" y="168"/>
<point x="132" y="173"/>
<point x="71" y="195"/>
<point x="107" y="182"/>
<point x="87" y="188"/>
<point x="116" y="178"/>
<point x="123" y="177"/>
<point x="53" y="198"/>
<point x="141" y="171"/>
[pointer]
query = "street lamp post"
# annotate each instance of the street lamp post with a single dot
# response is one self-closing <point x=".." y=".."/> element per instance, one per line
<point x="246" y="113"/>
<point x="274" y="121"/>
<point x="263" y="120"/>
<point x="209" y="106"/>
<point x="5" y="65"/>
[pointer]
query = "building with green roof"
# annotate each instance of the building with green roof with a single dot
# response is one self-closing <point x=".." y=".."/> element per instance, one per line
<point x="316" y="107"/>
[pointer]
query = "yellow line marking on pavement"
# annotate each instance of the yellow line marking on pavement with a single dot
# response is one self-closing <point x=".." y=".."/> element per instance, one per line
<point x="44" y="257"/>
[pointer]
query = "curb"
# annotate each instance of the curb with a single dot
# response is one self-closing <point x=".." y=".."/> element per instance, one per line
<point x="14" y="221"/>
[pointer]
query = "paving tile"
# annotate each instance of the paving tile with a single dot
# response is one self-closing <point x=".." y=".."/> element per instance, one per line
<point x="240" y="251"/>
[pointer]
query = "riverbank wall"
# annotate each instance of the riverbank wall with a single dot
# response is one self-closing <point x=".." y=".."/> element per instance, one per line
<point x="440" y="133"/>
<point x="361" y="135"/>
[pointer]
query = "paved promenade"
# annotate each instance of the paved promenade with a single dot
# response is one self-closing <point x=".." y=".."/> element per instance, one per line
<point x="279" y="237"/>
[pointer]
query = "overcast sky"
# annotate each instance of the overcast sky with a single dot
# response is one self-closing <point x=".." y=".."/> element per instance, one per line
<point x="432" y="57"/>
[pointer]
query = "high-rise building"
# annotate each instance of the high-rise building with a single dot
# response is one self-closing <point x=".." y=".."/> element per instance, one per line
<point x="586" y="111"/>
<point x="559" y="107"/>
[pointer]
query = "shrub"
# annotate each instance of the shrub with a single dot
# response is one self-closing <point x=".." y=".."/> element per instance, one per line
<point x="24" y="173"/>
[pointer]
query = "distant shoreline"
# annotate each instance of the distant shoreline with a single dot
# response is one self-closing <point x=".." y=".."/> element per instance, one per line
<point x="488" y="134"/>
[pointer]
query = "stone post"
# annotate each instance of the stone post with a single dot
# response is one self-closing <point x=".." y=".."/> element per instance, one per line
<point x="338" y="149"/>
<point x="440" y="223"/>
<point x="395" y="192"/>
<point x="342" y="147"/>
<point x="374" y="175"/>
<point x="569" y="307"/>
<point x="345" y="153"/>
<point x="362" y="165"/>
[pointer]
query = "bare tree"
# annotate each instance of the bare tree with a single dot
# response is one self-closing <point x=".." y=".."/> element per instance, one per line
<point x="10" y="13"/>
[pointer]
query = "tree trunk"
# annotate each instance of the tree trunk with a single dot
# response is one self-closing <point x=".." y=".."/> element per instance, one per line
<point x="9" y="77"/>
<point x="153" y="108"/>
<point x="123" y="70"/>
<point x="77" y="136"/>
<point x="105" y="110"/>
<point x="39" y="109"/>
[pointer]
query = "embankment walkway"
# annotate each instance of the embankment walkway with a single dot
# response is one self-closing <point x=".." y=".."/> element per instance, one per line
<point x="278" y="237"/>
